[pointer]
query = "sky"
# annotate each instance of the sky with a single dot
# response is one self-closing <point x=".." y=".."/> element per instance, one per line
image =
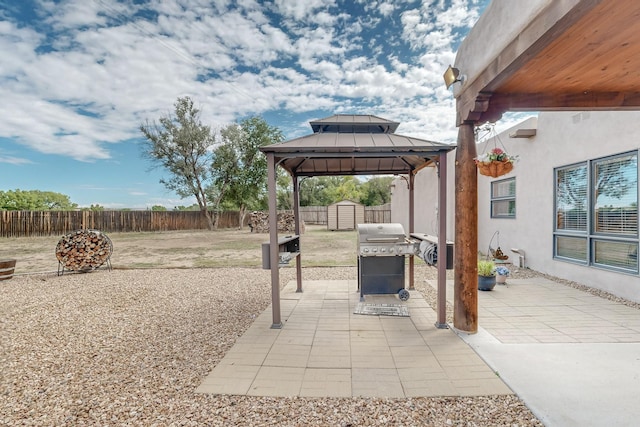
<point x="79" y="77"/>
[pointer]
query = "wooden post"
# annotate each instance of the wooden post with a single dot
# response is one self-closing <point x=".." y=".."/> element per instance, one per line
<point x="296" y="218"/>
<point x="441" y="296"/>
<point x="411" y="227"/>
<point x="465" y="285"/>
<point x="273" y="242"/>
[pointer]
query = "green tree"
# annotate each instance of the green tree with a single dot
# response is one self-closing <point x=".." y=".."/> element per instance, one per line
<point x="348" y="188"/>
<point x="183" y="147"/>
<point x="284" y="185"/>
<point x="319" y="191"/>
<point x="34" y="200"/>
<point x="325" y="190"/>
<point x="193" y="207"/>
<point x="240" y="170"/>
<point x="158" y="208"/>
<point x="376" y="191"/>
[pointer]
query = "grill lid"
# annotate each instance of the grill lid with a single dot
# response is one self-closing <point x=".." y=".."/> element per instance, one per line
<point x="380" y="233"/>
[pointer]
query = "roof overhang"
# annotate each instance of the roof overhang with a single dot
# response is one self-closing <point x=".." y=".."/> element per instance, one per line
<point x="550" y="55"/>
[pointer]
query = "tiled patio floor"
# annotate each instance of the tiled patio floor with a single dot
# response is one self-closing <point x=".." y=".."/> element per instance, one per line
<point x="571" y="356"/>
<point x="324" y="349"/>
<point x="542" y="311"/>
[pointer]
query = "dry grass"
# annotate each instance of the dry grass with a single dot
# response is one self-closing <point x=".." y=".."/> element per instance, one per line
<point x="188" y="249"/>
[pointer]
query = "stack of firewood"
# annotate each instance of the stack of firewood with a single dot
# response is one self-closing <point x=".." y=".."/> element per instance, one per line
<point x="259" y="222"/>
<point x="83" y="250"/>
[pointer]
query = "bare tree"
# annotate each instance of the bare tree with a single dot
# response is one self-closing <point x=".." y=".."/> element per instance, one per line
<point x="184" y="147"/>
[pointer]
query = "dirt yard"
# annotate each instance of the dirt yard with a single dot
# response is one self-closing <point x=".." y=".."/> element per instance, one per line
<point x="188" y="249"/>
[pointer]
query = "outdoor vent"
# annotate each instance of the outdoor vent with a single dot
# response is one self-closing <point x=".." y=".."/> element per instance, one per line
<point x="523" y="133"/>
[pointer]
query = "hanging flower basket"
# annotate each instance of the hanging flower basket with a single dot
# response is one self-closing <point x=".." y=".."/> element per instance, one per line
<point x="495" y="168"/>
<point x="495" y="163"/>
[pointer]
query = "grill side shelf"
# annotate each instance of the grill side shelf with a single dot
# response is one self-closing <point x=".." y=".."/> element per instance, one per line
<point x="288" y="248"/>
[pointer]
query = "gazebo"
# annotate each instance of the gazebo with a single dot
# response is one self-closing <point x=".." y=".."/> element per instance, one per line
<point x="353" y="145"/>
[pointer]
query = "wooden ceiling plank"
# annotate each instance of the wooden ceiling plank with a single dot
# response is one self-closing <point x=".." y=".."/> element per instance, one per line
<point x="597" y="52"/>
<point x="539" y="34"/>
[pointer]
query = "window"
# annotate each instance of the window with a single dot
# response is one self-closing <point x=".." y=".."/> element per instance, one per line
<point x="503" y="198"/>
<point x="596" y="212"/>
<point x="615" y="195"/>
<point x="571" y="198"/>
<point x="571" y="247"/>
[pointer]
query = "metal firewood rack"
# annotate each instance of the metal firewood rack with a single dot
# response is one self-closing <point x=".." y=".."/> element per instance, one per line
<point x="83" y="251"/>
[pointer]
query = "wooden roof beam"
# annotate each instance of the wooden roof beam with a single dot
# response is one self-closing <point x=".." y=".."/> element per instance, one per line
<point x="564" y="101"/>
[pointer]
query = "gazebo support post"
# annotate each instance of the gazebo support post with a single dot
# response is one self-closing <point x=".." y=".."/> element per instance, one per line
<point x="411" y="228"/>
<point x="441" y="298"/>
<point x="297" y="221"/>
<point x="273" y="242"/>
<point x="465" y="286"/>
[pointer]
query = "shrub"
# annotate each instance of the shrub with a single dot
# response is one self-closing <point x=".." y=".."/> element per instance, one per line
<point x="486" y="268"/>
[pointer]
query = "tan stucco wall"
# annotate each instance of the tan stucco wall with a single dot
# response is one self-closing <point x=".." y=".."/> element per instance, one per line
<point x="425" y="200"/>
<point x="500" y="23"/>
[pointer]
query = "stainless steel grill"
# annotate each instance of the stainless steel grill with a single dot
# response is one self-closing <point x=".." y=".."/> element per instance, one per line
<point x="381" y="252"/>
<point x="383" y="240"/>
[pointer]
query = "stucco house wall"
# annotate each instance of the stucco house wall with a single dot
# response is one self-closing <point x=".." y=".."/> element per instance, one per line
<point x="562" y="138"/>
<point x="483" y="44"/>
<point x="425" y="200"/>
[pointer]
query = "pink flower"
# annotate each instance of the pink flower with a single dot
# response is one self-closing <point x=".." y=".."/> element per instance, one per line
<point x="497" y="151"/>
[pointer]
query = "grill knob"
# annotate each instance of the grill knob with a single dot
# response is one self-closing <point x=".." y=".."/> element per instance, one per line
<point x="383" y="250"/>
<point x="365" y="250"/>
<point x="374" y="250"/>
<point x="392" y="250"/>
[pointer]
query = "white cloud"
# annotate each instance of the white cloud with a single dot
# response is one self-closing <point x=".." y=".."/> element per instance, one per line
<point x="302" y="10"/>
<point x="386" y="8"/>
<point x="14" y="160"/>
<point x="108" y="72"/>
<point x="73" y="14"/>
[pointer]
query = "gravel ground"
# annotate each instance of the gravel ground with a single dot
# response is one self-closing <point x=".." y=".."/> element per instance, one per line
<point x="129" y="347"/>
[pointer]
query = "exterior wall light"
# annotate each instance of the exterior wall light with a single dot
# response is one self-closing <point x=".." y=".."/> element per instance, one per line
<point x="451" y="76"/>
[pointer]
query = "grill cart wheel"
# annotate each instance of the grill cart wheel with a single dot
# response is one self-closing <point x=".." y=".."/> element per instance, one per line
<point x="403" y="294"/>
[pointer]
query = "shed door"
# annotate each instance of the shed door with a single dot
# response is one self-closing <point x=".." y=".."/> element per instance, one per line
<point x="346" y="217"/>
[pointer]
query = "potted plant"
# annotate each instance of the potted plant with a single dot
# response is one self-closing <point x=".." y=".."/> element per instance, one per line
<point x="486" y="275"/>
<point x="495" y="163"/>
<point x="502" y="273"/>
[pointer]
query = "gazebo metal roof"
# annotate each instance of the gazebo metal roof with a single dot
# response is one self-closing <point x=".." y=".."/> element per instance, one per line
<point x="356" y="122"/>
<point x="355" y="145"/>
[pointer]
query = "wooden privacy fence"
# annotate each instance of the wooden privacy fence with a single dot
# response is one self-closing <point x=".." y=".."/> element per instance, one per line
<point x="372" y="214"/>
<point x="377" y="214"/>
<point x="313" y="214"/>
<point x="52" y="223"/>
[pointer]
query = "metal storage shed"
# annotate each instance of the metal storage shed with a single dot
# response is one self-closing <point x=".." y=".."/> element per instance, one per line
<point x="344" y="215"/>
